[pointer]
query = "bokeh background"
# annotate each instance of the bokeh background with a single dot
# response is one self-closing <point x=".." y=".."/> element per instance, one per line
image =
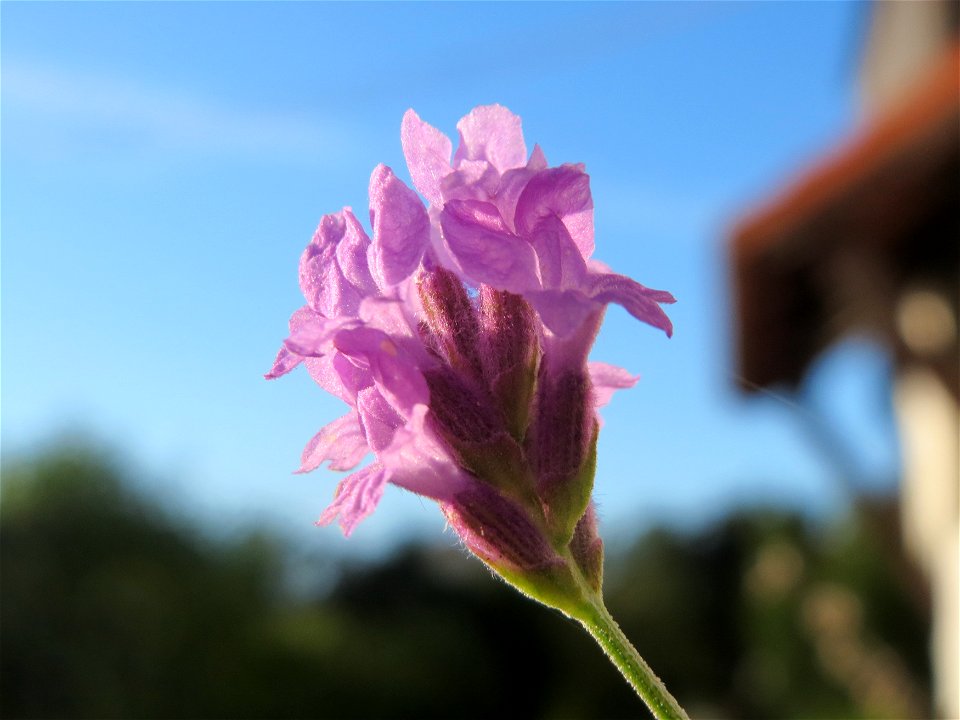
<point x="163" y="166"/>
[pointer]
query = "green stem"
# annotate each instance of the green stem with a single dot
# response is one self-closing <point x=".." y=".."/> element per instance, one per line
<point x="599" y="623"/>
<point x="567" y="589"/>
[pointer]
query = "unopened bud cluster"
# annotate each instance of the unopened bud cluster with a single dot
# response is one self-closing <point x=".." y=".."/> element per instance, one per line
<point x="527" y="434"/>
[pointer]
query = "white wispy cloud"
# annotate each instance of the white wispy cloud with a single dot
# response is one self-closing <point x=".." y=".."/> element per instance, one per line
<point x="161" y="118"/>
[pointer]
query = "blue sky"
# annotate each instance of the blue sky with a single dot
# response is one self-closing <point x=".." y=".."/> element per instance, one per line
<point x="163" y="166"/>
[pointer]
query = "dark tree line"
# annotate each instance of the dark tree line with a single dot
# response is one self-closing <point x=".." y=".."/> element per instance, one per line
<point x="110" y="608"/>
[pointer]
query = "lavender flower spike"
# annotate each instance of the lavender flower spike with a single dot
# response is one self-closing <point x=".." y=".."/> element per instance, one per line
<point x="458" y="335"/>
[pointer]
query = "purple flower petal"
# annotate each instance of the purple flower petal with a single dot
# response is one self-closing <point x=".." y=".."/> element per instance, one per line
<point x="284" y="363"/>
<point x="357" y="496"/>
<point x="324" y="286"/>
<point x="494" y="134"/>
<point x="472" y="180"/>
<point x="352" y="254"/>
<point x="417" y="461"/>
<point x="288" y="359"/>
<point x="394" y="372"/>
<point x="563" y="311"/>
<point x="401" y="227"/>
<point x="561" y="265"/>
<point x="333" y="268"/>
<point x="562" y="191"/>
<point x="427" y="151"/>
<point x="508" y="192"/>
<point x="607" y="379"/>
<point x="568" y="351"/>
<point x="341" y="442"/>
<point x="380" y="420"/>
<point x="338" y="376"/>
<point x="485" y="250"/>
<point x="512" y="184"/>
<point x="318" y="256"/>
<point x="313" y="336"/>
<point x="537" y="161"/>
<point x="389" y="315"/>
<point x="641" y="302"/>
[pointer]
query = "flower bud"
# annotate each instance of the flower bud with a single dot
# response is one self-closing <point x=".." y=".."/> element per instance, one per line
<point x="587" y="548"/>
<point x="562" y="447"/>
<point x="499" y="531"/>
<point x="465" y="416"/>
<point x="451" y="319"/>
<point x="502" y="534"/>
<point x="510" y="353"/>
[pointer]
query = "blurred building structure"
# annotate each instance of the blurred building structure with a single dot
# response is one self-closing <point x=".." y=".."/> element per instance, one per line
<point x="867" y="241"/>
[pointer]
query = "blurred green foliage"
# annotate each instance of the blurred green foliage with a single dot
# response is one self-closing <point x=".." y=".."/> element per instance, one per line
<point x="112" y="608"/>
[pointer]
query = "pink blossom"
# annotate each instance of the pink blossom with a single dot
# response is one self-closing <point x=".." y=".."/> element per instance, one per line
<point x="458" y="336"/>
<point x="518" y="225"/>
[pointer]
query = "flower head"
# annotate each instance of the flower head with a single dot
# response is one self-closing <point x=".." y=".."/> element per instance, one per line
<point x="458" y="335"/>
